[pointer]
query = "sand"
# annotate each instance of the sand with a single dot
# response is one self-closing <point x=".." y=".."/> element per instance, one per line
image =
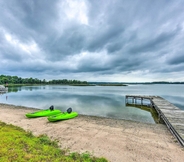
<point x="116" y="140"/>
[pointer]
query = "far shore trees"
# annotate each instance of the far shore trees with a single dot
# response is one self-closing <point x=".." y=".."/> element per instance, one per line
<point x="6" y="79"/>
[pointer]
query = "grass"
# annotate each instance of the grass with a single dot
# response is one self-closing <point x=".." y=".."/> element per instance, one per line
<point x="18" y="145"/>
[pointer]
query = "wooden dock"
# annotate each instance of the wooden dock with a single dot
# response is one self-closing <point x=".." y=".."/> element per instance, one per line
<point x="172" y="116"/>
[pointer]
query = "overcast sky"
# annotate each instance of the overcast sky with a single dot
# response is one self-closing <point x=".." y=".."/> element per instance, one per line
<point x="93" y="40"/>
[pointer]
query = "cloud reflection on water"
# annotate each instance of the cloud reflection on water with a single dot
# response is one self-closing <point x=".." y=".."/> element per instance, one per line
<point x="95" y="100"/>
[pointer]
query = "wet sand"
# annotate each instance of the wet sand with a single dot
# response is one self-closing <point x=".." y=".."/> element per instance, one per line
<point x="116" y="140"/>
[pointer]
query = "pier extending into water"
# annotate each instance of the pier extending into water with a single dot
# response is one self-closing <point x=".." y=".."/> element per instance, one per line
<point x="172" y="116"/>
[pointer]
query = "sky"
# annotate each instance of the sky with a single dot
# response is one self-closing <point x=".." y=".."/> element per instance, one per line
<point x="93" y="40"/>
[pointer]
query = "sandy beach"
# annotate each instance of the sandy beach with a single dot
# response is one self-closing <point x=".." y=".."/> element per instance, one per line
<point x="116" y="140"/>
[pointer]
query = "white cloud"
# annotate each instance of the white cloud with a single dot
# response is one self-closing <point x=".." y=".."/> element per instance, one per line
<point x="30" y="50"/>
<point x="74" y="11"/>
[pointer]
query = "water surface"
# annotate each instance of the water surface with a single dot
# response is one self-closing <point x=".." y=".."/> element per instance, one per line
<point x="105" y="101"/>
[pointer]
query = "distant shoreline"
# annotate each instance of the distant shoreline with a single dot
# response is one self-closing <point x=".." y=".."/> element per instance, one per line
<point x="98" y="84"/>
<point x="113" y="84"/>
<point x="93" y="84"/>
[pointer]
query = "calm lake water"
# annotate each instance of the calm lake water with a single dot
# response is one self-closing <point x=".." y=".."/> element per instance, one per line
<point x="105" y="101"/>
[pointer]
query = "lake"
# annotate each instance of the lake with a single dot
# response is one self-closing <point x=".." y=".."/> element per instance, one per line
<point x="105" y="101"/>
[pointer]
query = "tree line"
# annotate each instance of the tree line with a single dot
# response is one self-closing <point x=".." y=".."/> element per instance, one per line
<point x="6" y="79"/>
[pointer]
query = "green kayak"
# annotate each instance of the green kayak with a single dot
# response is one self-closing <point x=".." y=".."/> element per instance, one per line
<point x="62" y="116"/>
<point x="42" y="113"/>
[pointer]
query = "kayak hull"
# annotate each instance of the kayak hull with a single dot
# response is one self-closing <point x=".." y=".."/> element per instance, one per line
<point x="42" y="113"/>
<point x="62" y="116"/>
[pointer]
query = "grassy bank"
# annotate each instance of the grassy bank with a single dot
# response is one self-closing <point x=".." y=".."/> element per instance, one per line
<point x="19" y="145"/>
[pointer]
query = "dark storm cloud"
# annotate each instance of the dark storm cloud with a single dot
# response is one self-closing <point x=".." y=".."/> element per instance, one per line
<point x="104" y="36"/>
<point x="72" y="41"/>
<point x="92" y="37"/>
<point x="28" y="18"/>
<point x="177" y="58"/>
<point x="154" y="43"/>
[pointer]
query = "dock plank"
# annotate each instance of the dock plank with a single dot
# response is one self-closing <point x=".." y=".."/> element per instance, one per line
<point x="172" y="115"/>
